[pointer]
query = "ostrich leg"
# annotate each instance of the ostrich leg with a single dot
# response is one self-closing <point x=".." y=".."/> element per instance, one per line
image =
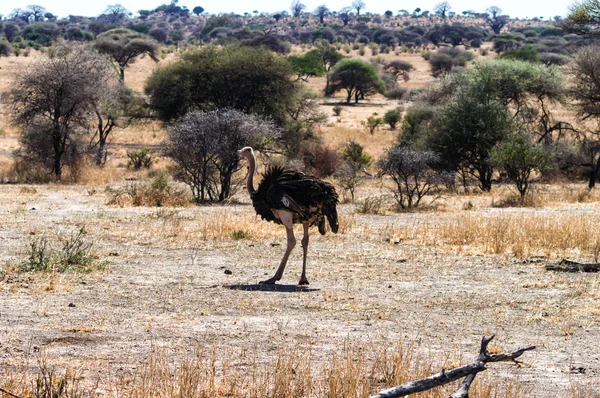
<point x="303" y="280"/>
<point x="287" y="219"/>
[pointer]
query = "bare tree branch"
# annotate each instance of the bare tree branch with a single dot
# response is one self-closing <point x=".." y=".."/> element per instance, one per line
<point x="468" y="371"/>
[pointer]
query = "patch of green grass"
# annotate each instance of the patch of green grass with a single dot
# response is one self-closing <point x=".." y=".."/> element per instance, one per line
<point x="239" y="234"/>
<point x="75" y="255"/>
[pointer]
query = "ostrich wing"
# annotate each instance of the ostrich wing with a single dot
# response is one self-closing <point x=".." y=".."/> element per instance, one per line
<point x="290" y="203"/>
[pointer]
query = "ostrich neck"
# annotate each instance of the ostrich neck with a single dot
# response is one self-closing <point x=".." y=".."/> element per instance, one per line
<point x="251" y="168"/>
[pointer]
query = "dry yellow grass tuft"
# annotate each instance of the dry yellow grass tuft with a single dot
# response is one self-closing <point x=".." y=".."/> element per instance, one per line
<point x="357" y="370"/>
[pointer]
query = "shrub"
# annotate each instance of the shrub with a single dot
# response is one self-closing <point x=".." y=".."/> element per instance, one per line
<point x="139" y="158"/>
<point x="392" y="118"/>
<point x="397" y="93"/>
<point x="554" y="59"/>
<point x="371" y="205"/>
<point x="354" y="160"/>
<point x="527" y="53"/>
<point x="440" y="63"/>
<point x="5" y="48"/>
<point x="75" y="255"/>
<point x="158" y="193"/>
<point x="519" y="157"/>
<point x="337" y="110"/>
<point x="372" y="123"/>
<point x="321" y="161"/>
<point x="415" y="174"/>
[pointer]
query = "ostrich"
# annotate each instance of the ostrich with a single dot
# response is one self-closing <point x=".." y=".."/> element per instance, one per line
<point x="288" y="197"/>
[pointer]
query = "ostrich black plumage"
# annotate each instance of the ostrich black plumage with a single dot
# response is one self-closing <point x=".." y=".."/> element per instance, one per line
<point x="289" y="197"/>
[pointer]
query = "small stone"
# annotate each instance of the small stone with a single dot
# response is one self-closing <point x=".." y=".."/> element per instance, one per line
<point x="228" y="272"/>
<point x="71" y="305"/>
<point x="389" y="286"/>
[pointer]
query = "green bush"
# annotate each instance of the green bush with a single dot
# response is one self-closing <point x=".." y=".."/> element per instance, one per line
<point x="527" y="53"/>
<point x="392" y="118"/>
<point x="139" y="158"/>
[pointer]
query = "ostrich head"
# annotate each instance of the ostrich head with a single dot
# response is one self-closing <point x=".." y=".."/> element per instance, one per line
<point x="246" y="152"/>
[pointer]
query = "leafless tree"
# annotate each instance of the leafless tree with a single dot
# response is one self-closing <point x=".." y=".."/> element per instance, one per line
<point x="415" y="174"/>
<point x="204" y="147"/>
<point x="322" y="11"/>
<point x="115" y="13"/>
<point x="495" y="20"/>
<point x="55" y="98"/>
<point x="37" y="12"/>
<point x="358" y="5"/>
<point x="297" y="7"/>
<point x="442" y="9"/>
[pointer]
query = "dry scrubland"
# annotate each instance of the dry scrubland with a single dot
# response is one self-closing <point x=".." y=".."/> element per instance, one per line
<point x="172" y="302"/>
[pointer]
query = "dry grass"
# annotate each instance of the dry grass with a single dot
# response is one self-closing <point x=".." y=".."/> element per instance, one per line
<point x="548" y="233"/>
<point x="356" y="370"/>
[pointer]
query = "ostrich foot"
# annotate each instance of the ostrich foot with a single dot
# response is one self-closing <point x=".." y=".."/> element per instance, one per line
<point x="270" y="281"/>
<point x="303" y="281"/>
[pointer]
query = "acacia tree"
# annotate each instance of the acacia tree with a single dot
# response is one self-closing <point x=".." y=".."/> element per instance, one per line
<point x="398" y="69"/>
<point x="55" y="98"/>
<point x="358" y="78"/>
<point x="124" y="45"/>
<point x="204" y="147"/>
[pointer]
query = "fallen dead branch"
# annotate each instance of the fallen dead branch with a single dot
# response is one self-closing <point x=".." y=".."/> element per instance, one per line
<point x="3" y="391"/>
<point x="444" y="377"/>
<point x="573" y="266"/>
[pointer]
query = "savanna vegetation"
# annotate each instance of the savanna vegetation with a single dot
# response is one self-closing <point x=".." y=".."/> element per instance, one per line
<point x="465" y="147"/>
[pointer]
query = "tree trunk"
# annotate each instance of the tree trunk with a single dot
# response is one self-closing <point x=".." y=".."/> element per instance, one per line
<point x="58" y="151"/>
<point x="56" y="169"/>
<point x="594" y="174"/>
<point x="101" y="154"/>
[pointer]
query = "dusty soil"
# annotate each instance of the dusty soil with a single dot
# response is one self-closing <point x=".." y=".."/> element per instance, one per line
<point x="165" y="285"/>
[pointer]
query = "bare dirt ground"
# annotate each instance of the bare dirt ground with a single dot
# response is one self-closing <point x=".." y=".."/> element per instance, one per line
<point x="165" y="285"/>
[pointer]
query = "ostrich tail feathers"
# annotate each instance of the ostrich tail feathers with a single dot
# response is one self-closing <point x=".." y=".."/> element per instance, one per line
<point x="332" y="217"/>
